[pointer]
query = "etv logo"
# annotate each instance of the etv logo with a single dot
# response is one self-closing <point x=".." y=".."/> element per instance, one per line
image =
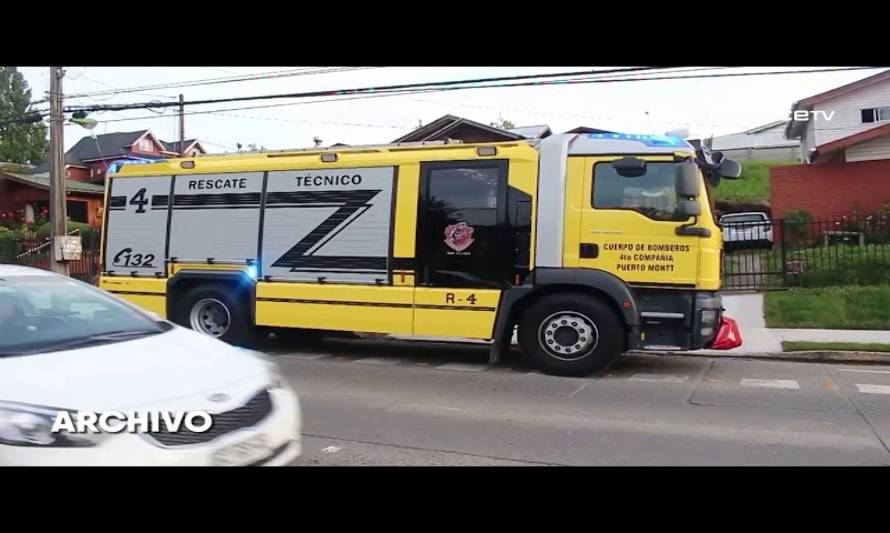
<point x="803" y="115"/>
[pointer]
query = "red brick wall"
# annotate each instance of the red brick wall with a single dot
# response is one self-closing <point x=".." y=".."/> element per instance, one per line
<point x="830" y="190"/>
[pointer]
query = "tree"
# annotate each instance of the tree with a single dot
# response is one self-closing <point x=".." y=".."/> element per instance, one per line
<point x="503" y="124"/>
<point x="19" y="142"/>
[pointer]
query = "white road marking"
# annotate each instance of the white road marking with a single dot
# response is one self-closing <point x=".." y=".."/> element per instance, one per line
<point x="307" y="356"/>
<point x="659" y="378"/>
<point x="379" y="361"/>
<point x="461" y="367"/>
<point x="770" y="383"/>
<point x="331" y="449"/>
<point x="580" y="388"/>
<point x="868" y="388"/>
<point x="860" y="371"/>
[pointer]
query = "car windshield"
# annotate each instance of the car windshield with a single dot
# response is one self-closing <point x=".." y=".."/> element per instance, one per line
<point x="742" y="219"/>
<point x="48" y="313"/>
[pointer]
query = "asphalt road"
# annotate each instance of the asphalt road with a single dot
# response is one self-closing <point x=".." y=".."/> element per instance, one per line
<point x="401" y="403"/>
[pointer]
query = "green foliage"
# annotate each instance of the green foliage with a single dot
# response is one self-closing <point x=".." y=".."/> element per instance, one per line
<point x="45" y="230"/>
<point x="796" y="223"/>
<point x="19" y="143"/>
<point x="830" y="307"/>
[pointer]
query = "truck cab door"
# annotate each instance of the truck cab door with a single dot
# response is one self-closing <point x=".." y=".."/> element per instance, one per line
<point x="628" y="225"/>
<point x="464" y="247"/>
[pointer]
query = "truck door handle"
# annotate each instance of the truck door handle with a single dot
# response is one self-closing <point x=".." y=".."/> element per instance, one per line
<point x="589" y="250"/>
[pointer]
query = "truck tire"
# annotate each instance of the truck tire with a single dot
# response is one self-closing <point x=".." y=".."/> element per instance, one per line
<point x="213" y="309"/>
<point x="571" y="334"/>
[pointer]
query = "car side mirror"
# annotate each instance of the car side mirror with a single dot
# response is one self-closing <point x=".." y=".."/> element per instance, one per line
<point x="688" y="182"/>
<point x="688" y="208"/>
<point x="730" y="169"/>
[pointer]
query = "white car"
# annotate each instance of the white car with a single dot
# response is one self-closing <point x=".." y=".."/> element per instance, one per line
<point x="747" y="229"/>
<point x="67" y="346"/>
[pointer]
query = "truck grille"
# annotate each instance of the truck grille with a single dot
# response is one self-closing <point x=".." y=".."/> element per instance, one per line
<point x="248" y="415"/>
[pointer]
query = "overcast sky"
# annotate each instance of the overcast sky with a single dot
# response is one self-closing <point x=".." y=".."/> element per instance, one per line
<point x="704" y="106"/>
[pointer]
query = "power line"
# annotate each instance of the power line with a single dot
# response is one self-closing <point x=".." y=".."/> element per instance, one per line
<point x="462" y="85"/>
<point x="342" y="92"/>
<point x="220" y="80"/>
<point x="383" y="95"/>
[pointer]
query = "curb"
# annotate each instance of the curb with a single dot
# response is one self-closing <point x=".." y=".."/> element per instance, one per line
<point x="811" y="357"/>
<point x="882" y="358"/>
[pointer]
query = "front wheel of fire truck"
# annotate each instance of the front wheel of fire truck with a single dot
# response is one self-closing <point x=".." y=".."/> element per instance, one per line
<point x="570" y="334"/>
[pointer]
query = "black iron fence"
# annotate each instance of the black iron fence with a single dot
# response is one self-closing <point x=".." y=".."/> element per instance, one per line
<point x="799" y="252"/>
<point x="36" y="253"/>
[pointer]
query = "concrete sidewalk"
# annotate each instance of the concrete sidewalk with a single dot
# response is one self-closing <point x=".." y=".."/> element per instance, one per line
<point x="757" y="339"/>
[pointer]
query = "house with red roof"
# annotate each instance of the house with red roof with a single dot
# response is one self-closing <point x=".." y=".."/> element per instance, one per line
<point x="844" y="138"/>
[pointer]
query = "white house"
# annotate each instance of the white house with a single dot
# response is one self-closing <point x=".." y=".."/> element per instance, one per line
<point x="837" y="120"/>
<point x="763" y="143"/>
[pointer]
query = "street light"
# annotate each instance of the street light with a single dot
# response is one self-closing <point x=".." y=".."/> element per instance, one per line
<point x="81" y="119"/>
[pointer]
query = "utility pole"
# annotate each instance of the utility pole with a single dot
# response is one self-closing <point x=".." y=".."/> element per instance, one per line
<point x="181" y="126"/>
<point x="58" y="213"/>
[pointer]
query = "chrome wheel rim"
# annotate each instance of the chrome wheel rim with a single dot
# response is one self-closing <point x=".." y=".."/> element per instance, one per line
<point x="568" y="335"/>
<point x="210" y="317"/>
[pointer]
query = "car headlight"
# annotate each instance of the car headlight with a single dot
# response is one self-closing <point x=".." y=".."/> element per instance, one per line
<point x="32" y="425"/>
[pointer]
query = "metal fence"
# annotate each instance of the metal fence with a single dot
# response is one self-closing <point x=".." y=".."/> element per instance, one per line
<point x="800" y="252"/>
<point x="37" y="253"/>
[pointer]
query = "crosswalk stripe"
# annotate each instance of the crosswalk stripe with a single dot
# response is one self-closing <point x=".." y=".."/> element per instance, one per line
<point x="379" y="361"/>
<point x="869" y="388"/>
<point x="307" y="356"/>
<point x="770" y="383"/>
<point x="462" y="367"/>
<point x="659" y="378"/>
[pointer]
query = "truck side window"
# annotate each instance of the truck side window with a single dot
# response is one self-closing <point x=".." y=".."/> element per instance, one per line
<point x="653" y="194"/>
<point x="464" y="238"/>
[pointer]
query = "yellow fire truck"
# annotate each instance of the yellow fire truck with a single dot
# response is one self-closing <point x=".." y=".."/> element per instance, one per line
<point x="589" y="244"/>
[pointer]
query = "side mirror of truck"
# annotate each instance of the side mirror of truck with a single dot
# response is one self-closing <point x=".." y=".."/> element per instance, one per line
<point x="688" y="208"/>
<point x="688" y="182"/>
<point x="730" y="169"/>
<point x="629" y="167"/>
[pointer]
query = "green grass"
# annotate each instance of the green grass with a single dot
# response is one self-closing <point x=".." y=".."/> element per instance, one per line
<point x="753" y="186"/>
<point x="866" y="307"/>
<point x="806" y="346"/>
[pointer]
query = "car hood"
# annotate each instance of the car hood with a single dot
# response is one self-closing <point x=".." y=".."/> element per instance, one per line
<point x="149" y="371"/>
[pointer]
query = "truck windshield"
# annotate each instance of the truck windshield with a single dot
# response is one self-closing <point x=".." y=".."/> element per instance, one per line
<point x="654" y="194"/>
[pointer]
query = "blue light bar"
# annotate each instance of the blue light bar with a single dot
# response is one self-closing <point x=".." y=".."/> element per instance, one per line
<point x="114" y="167"/>
<point x="648" y="140"/>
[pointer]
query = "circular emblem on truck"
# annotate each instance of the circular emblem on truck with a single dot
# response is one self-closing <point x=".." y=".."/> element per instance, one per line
<point x="459" y="236"/>
<point x="218" y="397"/>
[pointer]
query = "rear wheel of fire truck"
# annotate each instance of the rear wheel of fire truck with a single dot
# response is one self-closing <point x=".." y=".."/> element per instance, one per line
<point x="216" y="310"/>
<point x="571" y="334"/>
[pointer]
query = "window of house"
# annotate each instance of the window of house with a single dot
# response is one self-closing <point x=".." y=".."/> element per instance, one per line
<point x="876" y="114"/>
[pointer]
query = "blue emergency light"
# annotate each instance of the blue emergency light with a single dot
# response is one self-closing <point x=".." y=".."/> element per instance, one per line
<point x="114" y="167"/>
<point x="648" y="140"/>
